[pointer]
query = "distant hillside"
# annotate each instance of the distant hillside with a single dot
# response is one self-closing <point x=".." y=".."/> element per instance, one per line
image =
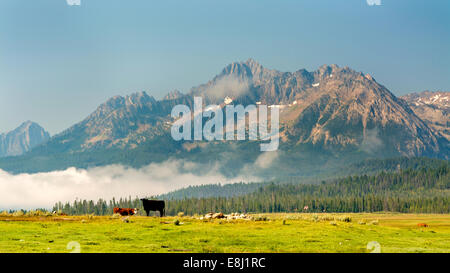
<point x="213" y="190"/>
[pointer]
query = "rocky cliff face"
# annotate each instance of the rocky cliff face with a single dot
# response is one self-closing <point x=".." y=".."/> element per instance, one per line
<point x="22" y="139"/>
<point x="433" y="108"/>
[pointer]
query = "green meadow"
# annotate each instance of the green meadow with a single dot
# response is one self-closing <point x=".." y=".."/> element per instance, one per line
<point x="301" y="232"/>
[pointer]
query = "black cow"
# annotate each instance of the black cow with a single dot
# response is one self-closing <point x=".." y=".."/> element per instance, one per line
<point x="155" y="205"/>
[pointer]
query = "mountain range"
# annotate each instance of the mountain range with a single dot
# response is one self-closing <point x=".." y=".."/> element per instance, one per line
<point x="328" y="117"/>
<point x="433" y="108"/>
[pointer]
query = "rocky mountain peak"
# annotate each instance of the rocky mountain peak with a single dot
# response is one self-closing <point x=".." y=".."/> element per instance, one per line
<point x="326" y="70"/>
<point x="254" y="66"/>
<point x="238" y="69"/>
<point x="249" y="70"/>
<point x="22" y="139"/>
<point x="433" y="108"/>
<point x="172" y="95"/>
<point x="26" y="126"/>
<point x="137" y="99"/>
<point x="140" y="98"/>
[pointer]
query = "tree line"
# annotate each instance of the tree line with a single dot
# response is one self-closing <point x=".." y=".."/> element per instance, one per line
<point x="421" y="190"/>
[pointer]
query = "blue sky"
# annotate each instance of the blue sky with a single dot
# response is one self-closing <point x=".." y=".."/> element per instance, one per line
<point x="59" y="62"/>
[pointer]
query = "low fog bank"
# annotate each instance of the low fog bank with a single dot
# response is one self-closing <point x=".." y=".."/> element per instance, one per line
<point x="43" y="190"/>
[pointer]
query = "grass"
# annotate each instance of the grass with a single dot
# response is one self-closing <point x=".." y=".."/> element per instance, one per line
<point x="274" y="233"/>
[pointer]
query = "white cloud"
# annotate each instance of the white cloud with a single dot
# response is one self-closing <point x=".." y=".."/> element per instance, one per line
<point x="43" y="190"/>
<point x="230" y="85"/>
<point x="265" y="161"/>
<point x="374" y="2"/>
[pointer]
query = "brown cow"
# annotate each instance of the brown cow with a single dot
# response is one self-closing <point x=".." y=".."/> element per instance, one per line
<point x="422" y="225"/>
<point x="125" y="211"/>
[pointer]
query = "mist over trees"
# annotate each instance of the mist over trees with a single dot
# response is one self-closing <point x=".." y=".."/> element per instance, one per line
<point x="421" y="190"/>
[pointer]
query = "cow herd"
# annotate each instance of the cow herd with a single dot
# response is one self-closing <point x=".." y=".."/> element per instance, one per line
<point x="149" y="205"/>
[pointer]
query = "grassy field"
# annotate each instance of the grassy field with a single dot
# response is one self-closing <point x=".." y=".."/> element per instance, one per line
<point x="276" y="233"/>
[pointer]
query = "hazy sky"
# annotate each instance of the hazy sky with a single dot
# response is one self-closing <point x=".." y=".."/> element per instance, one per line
<point x="59" y="62"/>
